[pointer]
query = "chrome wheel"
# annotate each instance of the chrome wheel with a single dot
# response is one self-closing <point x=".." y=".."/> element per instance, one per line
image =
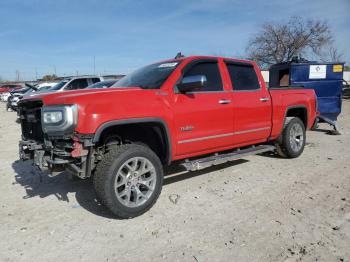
<point x="296" y="137"/>
<point x="135" y="181"/>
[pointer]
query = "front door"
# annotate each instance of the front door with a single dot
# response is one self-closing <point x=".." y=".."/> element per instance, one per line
<point x="203" y="118"/>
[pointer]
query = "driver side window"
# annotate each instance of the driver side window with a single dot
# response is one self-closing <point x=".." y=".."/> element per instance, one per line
<point x="211" y="71"/>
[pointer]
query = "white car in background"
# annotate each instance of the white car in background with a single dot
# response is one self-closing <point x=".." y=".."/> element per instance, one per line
<point x="40" y="86"/>
<point x="74" y="83"/>
<point x="5" y="96"/>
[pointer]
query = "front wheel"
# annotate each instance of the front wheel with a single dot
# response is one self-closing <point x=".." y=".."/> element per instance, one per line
<point x="128" y="180"/>
<point x="293" y="138"/>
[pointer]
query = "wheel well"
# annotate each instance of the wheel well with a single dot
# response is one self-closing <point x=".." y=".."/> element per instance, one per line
<point x="299" y="112"/>
<point x="153" y="135"/>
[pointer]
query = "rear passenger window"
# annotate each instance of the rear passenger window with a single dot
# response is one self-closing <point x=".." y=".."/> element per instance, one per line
<point x="211" y="71"/>
<point x="243" y="77"/>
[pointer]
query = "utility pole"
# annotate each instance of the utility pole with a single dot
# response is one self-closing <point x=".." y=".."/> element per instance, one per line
<point x="54" y="69"/>
<point x="17" y="75"/>
<point x="94" y="66"/>
<point x="36" y="74"/>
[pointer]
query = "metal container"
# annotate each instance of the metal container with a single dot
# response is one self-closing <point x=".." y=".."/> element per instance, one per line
<point x="325" y="78"/>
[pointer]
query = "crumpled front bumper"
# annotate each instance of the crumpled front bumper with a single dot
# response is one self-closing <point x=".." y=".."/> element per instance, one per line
<point x="54" y="159"/>
<point x="41" y="156"/>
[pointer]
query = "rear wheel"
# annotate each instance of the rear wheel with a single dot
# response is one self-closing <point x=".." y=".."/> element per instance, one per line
<point x="293" y="138"/>
<point x="128" y="180"/>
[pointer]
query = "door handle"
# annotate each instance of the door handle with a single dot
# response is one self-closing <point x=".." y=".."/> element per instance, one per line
<point x="264" y="99"/>
<point x="224" y="101"/>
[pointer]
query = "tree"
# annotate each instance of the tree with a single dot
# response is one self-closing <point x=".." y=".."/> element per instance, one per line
<point x="331" y="54"/>
<point x="277" y="43"/>
<point x="49" y="77"/>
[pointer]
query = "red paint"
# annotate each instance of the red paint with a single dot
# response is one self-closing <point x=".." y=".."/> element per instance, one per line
<point x="201" y="110"/>
<point x="6" y="88"/>
<point x="78" y="150"/>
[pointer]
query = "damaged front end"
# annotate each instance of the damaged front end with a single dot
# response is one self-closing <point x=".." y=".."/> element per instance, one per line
<point x="49" y="140"/>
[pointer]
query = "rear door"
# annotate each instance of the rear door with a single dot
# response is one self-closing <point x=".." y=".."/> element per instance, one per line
<point x="204" y="118"/>
<point x="251" y="104"/>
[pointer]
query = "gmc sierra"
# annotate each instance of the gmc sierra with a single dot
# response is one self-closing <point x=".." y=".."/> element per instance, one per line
<point x="196" y="110"/>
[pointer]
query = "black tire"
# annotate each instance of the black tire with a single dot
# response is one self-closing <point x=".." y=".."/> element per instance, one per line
<point x="106" y="175"/>
<point x="292" y="148"/>
<point x="8" y="108"/>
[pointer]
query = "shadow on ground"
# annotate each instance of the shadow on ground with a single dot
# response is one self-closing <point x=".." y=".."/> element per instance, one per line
<point x="39" y="184"/>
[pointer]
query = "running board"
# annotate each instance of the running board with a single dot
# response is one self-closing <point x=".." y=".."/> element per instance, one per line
<point x="197" y="164"/>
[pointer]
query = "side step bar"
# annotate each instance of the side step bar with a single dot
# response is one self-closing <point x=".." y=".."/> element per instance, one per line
<point x="197" y="164"/>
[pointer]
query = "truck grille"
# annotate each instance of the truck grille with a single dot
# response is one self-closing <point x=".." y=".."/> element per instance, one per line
<point x="30" y="115"/>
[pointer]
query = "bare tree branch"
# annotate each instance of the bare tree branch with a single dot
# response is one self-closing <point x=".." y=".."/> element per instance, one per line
<point x="331" y="54"/>
<point x="277" y="43"/>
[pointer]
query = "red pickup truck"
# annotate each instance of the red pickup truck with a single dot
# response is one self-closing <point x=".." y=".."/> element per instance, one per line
<point x="197" y="111"/>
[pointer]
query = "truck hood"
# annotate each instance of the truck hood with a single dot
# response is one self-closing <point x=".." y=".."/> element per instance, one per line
<point x="74" y="96"/>
<point x="98" y="106"/>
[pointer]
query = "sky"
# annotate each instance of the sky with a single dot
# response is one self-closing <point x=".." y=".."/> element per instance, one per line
<point x="66" y="36"/>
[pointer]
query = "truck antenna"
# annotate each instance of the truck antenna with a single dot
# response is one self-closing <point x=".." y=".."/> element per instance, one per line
<point x="179" y="55"/>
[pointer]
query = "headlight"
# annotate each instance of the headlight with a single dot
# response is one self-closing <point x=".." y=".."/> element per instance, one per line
<point x="52" y="117"/>
<point x="59" y="120"/>
<point x="15" y="99"/>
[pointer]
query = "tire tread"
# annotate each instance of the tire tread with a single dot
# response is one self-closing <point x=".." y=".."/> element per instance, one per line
<point x="102" y="177"/>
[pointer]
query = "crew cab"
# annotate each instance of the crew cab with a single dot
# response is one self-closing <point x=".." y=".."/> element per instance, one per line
<point x="196" y="111"/>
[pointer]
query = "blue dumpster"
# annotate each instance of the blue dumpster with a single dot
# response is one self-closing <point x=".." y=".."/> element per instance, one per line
<point x="325" y="78"/>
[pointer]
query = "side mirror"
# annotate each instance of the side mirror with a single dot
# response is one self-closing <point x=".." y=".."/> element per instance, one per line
<point x="190" y="83"/>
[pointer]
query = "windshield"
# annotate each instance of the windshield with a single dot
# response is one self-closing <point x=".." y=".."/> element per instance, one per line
<point x="59" y="85"/>
<point x="29" y="91"/>
<point x="22" y="90"/>
<point x="102" y="84"/>
<point x="148" y="77"/>
<point x="45" y="88"/>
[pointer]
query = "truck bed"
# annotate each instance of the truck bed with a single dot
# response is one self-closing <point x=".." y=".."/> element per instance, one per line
<point x="288" y="98"/>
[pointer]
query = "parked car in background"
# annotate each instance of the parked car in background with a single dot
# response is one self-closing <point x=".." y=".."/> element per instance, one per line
<point x="74" y="83"/>
<point x="8" y="87"/>
<point x="17" y="95"/>
<point x="102" y="84"/>
<point x="346" y="89"/>
<point x="41" y="86"/>
<point x="4" y="96"/>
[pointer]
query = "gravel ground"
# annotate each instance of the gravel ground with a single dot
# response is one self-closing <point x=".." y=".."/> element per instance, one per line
<point x="260" y="208"/>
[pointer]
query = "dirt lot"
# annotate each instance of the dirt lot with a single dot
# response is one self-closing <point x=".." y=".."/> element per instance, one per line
<point x="260" y="208"/>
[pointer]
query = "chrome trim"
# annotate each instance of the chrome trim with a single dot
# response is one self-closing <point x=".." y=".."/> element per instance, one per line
<point x="222" y="135"/>
<point x="203" y="138"/>
<point x="224" y="101"/>
<point x="264" y="99"/>
<point x="251" y="130"/>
